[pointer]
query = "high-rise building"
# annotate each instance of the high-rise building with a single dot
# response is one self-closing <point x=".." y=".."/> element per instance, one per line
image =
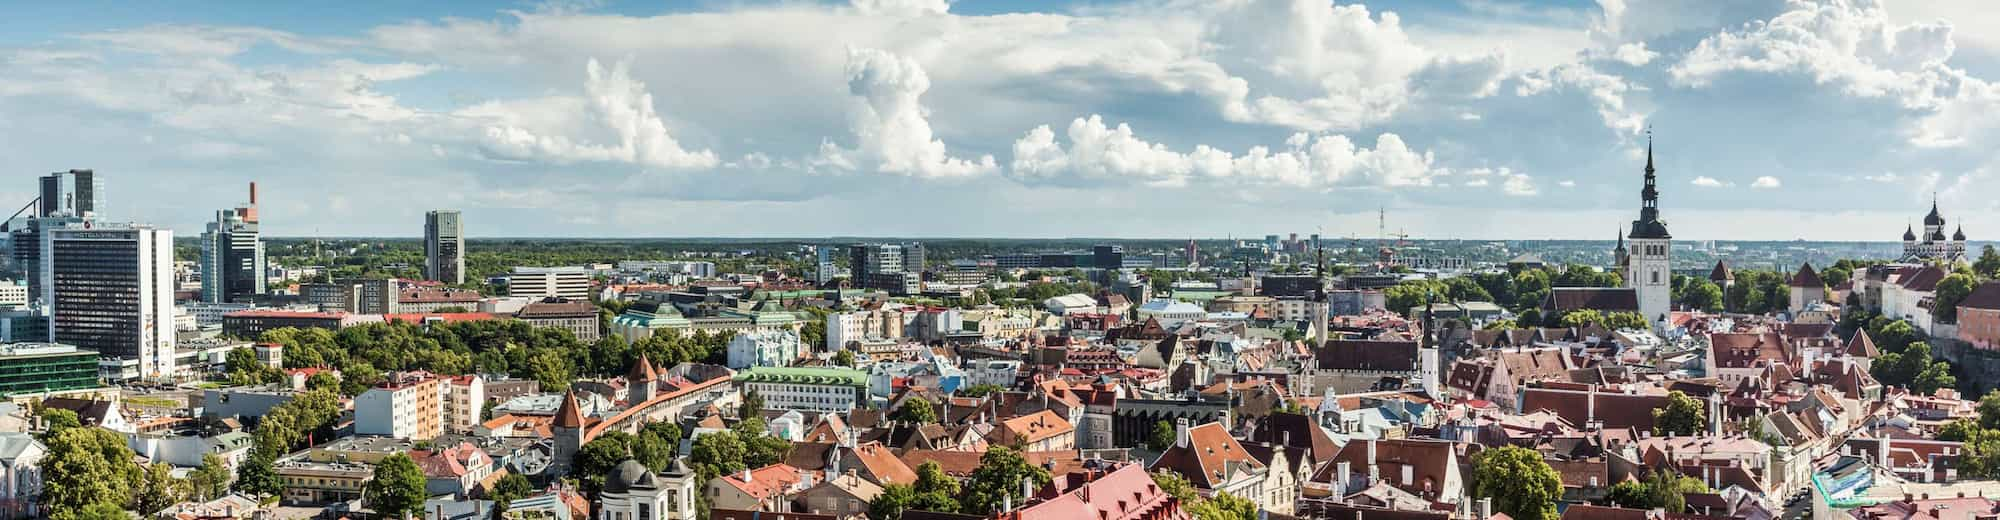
<point x="883" y="267"/>
<point x="1649" y="272"/>
<point x="111" y="289"/>
<point x="1107" y="256"/>
<point x="232" y="255"/>
<point x="25" y="238"/>
<point x="444" y="247"/>
<point x="74" y="193"/>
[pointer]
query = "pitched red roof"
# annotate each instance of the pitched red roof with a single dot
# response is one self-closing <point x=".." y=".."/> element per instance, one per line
<point x="1861" y="346"/>
<point x="1205" y="456"/>
<point x="1986" y="296"/>
<point x="569" y="414"/>
<point x="1807" y="277"/>
<point x="1721" y="273"/>
<point x="1346" y="354"/>
<point x="1599" y="298"/>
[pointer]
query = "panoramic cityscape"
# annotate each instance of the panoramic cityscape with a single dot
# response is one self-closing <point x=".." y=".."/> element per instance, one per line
<point x="845" y="260"/>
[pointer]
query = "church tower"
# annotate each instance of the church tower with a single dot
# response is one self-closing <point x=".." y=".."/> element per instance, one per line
<point x="1649" y="266"/>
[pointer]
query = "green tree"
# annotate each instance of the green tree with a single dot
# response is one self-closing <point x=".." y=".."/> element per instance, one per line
<point x="595" y="459"/>
<point x="510" y="488"/>
<point x="932" y="479"/>
<point x="1989" y="410"/>
<point x="397" y="487"/>
<point x="753" y="406"/>
<point x="1224" y="506"/>
<point x="915" y="410"/>
<point x="1957" y="431"/>
<point x="1988" y="264"/>
<point x="1702" y="294"/>
<point x="242" y="368"/>
<point x="1669" y="490"/>
<point x="323" y="381"/>
<point x="1950" y="291"/>
<point x="257" y="476"/>
<point x="86" y="466"/>
<point x="1161" y="438"/>
<point x="97" y="511"/>
<point x="1630" y="495"/>
<point x="891" y="502"/>
<point x="1683" y="415"/>
<point x="56" y="420"/>
<point x="157" y="489"/>
<point x="978" y="391"/>
<point x="211" y="480"/>
<point x="999" y="475"/>
<point x="844" y="358"/>
<point x="1520" y="483"/>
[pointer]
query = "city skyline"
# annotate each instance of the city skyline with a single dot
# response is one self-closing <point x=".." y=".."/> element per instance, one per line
<point x="1141" y="119"/>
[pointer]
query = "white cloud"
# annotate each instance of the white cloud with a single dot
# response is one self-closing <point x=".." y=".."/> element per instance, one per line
<point x="891" y="124"/>
<point x="1708" y="182"/>
<point x="1766" y="182"/>
<point x="1517" y="184"/>
<point x="1634" y="54"/>
<point x="902" y="7"/>
<point x="614" y="102"/>
<point x="1098" y="154"/>
<point x="1849" y="43"/>
<point x="1567" y="184"/>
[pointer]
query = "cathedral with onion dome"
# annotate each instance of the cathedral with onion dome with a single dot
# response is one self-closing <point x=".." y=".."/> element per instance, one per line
<point x="1932" y="245"/>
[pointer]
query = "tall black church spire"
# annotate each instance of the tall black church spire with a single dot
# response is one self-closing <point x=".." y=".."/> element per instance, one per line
<point x="1649" y="224"/>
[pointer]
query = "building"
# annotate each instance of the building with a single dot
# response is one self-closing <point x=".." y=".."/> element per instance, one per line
<point x="444" y="247"/>
<point x="13" y="293"/>
<point x="1122" y="493"/>
<point x="207" y="314"/>
<point x="425" y="300"/>
<point x="1045" y="430"/>
<point x="887" y="267"/>
<point x="111" y="290"/>
<point x="21" y="461"/>
<point x="1932" y="246"/>
<point x="806" y="389"/>
<point x="463" y="402"/>
<point x="1649" y="259"/>
<point x="251" y="324"/>
<point x="765" y="348"/>
<point x="1806" y="289"/>
<point x="632" y="492"/>
<point x="407" y="406"/>
<point x="232" y="255"/>
<point x="579" y="317"/>
<point x="40" y="368"/>
<point x="1214" y="462"/>
<point x="336" y="471"/>
<point x="1171" y="311"/>
<point x="549" y="282"/>
<point x="1979" y="317"/>
<point x="74" y="193"/>
<point x="355" y="295"/>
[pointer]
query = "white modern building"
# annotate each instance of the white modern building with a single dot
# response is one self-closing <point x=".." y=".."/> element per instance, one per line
<point x="806" y="389"/>
<point x="1171" y="311"/>
<point x="764" y="348"/>
<point x="571" y="282"/>
<point x="462" y="399"/>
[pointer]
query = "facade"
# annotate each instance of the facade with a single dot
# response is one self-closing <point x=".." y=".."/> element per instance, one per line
<point x="111" y="290"/>
<point x="420" y="301"/>
<point x="444" y="246"/>
<point x="806" y="389"/>
<point x="579" y="317"/>
<point x="1932" y="246"/>
<point x="355" y="295"/>
<point x="887" y="267"/>
<point x="571" y="283"/>
<point x="462" y="399"/>
<point x="32" y="368"/>
<point x="251" y="324"/>
<point x="632" y="492"/>
<point x="764" y="348"/>
<point x="407" y="406"/>
<point x="1979" y="317"/>
<point x="232" y="255"/>
<point x="21" y="466"/>
<point x="1649" y="257"/>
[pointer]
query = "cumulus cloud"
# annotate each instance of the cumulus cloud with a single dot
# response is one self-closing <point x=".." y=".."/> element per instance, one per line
<point x="1517" y="184"/>
<point x="893" y="126"/>
<point x="1849" y="43"/>
<point x="1708" y="182"/>
<point x="1765" y="182"/>
<point x="1100" y="154"/>
<point x="902" y="7"/>
<point x="1634" y="54"/>
<point x="615" y="103"/>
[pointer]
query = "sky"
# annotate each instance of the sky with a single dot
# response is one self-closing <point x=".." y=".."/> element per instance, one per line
<point x="1483" y="119"/>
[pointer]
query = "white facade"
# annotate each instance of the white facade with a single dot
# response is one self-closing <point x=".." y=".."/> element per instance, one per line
<point x="20" y="475"/>
<point x="764" y="348"/>
<point x="1651" y="276"/>
<point x="111" y="289"/>
<point x="997" y="372"/>
<point x="1171" y="311"/>
<point x="210" y="314"/>
<point x="15" y="294"/>
<point x="463" y="399"/>
<point x="544" y="282"/>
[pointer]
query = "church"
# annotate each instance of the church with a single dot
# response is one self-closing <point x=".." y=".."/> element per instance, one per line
<point x="1932" y="246"/>
<point x="1646" y="261"/>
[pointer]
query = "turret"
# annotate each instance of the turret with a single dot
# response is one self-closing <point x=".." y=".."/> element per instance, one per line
<point x="568" y="432"/>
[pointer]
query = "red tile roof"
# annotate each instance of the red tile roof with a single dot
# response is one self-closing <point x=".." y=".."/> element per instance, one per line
<point x="1205" y="456"/>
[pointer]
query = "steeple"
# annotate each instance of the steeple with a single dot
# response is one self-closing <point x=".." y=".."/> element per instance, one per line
<point x="1621" y="240"/>
<point x="1649" y="225"/>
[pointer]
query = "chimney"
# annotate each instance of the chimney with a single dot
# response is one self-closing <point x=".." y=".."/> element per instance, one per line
<point x="1409" y="475"/>
<point x="253" y="193"/>
<point x="1027" y="489"/>
<point x="746" y="475"/>
<point x="1340" y="479"/>
<point x="1882" y="451"/>
<point x="1371" y="452"/>
<point x="1181" y="433"/>
<point x="1485" y="508"/>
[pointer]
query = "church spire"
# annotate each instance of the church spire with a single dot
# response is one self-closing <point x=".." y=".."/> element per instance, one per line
<point x="1649" y="225"/>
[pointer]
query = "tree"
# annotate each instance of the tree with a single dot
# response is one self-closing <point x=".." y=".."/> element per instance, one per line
<point x="97" y="511"/>
<point x="932" y="479"/>
<point x="1988" y="264"/>
<point x="243" y="368"/>
<point x="1161" y="437"/>
<point x="1630" y="495"/>
<point x="1683" y="415"/>
<point x="1669" y="490"/>
<point x="595" y="459"/>
<point x="86" y="466"/>
<point x="398" y="487"/>
<point x="1989" y="410"/>
<point x="1702" y="294"/>
<point x="157" y="489"/>
<point x="510" y="488"/>
<point x="1957" y="431"/>
<point x="1224" y="506"/>
<point x="1520" y="483"/>
<point x="914" y="411"/>
<point x="211" y="479"/>
<point x="1000" y="473"/>
<point x="978" y="391"/>
<point x="1950" y="291"/>
<point x="323" y="381"/>
<point x="257" y="476"/>
<point x="891" y="502"/>
<point x="844" y="358"/>
<point x="57" y="420"/>
<point x="753" y="406"/>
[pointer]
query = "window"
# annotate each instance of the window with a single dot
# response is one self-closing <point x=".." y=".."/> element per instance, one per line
<point x="1656" y="277"/>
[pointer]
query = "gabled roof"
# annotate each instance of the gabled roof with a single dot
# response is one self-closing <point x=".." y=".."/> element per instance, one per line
<point x="1206" y="456"/>
<point x="570" y="414"/>
<point x="1861" y="346"/>
<point x="642" y="370"/>
<point x="1345" y="354"/>
<point x="1599" y="298"/>
<point x="1721" y="273"/>
<point x="1807" y="277"/>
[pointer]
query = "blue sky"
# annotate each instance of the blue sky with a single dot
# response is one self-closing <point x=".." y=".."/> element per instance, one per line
<point x="1820" y="119"/>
